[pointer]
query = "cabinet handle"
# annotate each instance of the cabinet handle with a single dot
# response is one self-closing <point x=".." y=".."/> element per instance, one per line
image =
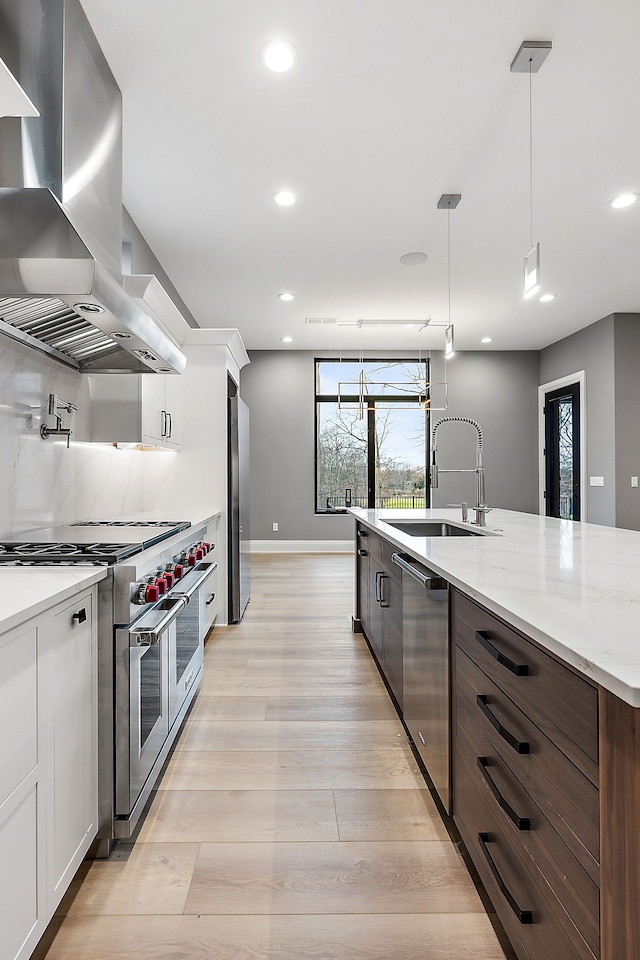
<point x="522" y="823"/>
<point x="362" y="552"/>
<point x="163" y="423"/>
<point x="524" y="916"/>
<point x="170" y="425"/>
<point x="378" y="575"/>
<point x="207" y="602"/>
<point x="363" y="534"/>
<point x="80" y="616"/>
<point x="383" y="602"/>
<point x="520" y="746"/>
<point x="520" y="669"/>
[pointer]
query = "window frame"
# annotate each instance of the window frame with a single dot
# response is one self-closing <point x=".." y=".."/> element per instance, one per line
<point x="353" y="398"/>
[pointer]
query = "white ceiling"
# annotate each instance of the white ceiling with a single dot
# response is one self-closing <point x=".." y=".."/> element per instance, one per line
<point x="390" y="105"/>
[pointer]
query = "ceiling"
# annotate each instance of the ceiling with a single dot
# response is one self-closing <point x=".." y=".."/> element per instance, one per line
<point x="388" y="106"/>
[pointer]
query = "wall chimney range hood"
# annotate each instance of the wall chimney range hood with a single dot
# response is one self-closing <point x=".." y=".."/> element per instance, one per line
<point x="61" y="285"/>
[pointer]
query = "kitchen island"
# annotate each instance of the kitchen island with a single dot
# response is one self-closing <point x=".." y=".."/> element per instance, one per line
<point x="546" y="785"/>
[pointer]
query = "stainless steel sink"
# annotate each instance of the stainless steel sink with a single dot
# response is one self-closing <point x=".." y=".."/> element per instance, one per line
<point x="431" y="528"/>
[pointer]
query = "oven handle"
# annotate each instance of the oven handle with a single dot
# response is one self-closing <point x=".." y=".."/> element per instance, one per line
<point x="208" y="568"/>
<point x="148" y="634"/>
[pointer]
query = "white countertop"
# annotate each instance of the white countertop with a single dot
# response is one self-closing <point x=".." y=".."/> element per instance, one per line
<point x="27" y="591"/>
<point x="572" y="587"/>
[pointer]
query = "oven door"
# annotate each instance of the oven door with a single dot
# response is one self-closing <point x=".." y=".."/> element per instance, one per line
<point x="142" y="698"/>
<point x="186" y="646"/>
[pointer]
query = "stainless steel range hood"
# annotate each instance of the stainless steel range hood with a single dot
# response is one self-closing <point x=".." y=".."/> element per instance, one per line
<point x="61" y="285"/>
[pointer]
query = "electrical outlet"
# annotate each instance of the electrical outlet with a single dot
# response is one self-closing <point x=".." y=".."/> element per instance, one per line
<point x="596" y="481"/>
<point x="634" y="481"/>
<point x="275" y="526"/>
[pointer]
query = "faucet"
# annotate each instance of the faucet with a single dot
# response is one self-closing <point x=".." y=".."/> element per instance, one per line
<point x="480" y="509"/>
<point x="56" y="404"/>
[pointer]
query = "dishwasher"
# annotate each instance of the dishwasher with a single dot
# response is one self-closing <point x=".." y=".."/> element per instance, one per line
<point x="425" y="667"/>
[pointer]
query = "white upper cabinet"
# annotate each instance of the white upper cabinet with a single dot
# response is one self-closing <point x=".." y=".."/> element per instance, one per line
<point x="136" y="408"/>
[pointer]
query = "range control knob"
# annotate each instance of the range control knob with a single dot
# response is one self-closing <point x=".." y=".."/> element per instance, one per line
<point x="191" y="560"/>
<point x="146" y="593"/>
<point x="161" y="584"/>
<point x="199" y="553"/>
<point x="178" y="571"/>
<point x="206" y="546"/>
<point x="169" y="578"/>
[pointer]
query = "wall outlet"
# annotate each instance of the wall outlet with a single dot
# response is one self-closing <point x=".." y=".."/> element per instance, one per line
<point x="596" y="481"/>
<point x="275" y="526"/>
<point x="634" y="481"/>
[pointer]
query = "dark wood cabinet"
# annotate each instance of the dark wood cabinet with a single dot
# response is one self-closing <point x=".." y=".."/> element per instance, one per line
<point x="379" y="604"/>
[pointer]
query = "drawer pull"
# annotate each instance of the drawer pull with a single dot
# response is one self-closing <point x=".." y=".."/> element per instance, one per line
<point x="362" y="552"/>
<point x="80" y="616"/>
<point x="520" y="669"/>
<point x="524" y="916"/>
<point x="522" y="823"/>
<point x="520" y="746"/>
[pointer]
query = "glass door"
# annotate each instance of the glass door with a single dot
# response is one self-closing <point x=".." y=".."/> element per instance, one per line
<point x="562" y="452"/>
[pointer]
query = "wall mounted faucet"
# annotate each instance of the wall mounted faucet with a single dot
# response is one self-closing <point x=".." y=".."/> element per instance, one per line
<point x="481" y="509"/>
<point x="57" y="404"/>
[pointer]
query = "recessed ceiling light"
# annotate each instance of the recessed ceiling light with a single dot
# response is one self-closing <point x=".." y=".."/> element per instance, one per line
<point x="287" y="339"/>
<point x="284" y="198"/>
<point x="624" y="200"/>
<point x="411" y="259"/>
<point x="285" y="296"/>
<point x="487" y="340"/>
<point x="279" y="55"/>
<point x="547" y="297"/>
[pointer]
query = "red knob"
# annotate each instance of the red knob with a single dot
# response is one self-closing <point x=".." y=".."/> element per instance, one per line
<point x="199" y="553"/>
<point x="191" y="559"/>
<point x="206" y="547"/>
<point x="178" y="571"/>
<point x="161" y="584"/>
<point x="151" y="593"/>
<point x="169" y="577"/>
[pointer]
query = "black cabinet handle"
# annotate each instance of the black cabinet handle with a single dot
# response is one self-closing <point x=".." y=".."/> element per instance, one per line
<point x="520" y="669"/>
<point x="383" y="602"/>
<point x="363" y="534"/>
<point x="80" y="616"/>
<point x="362" y="552"/>
<point x="524" y="916"/>
<point x="522" y="823"/>
<point x="207" y="602"/>
<point x="378" y="575"/>
<point x="520" y="746"/>
<point x="163" y="423"/>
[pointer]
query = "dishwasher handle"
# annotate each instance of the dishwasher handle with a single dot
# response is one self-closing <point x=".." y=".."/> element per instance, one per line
<point x="428" y="580"/>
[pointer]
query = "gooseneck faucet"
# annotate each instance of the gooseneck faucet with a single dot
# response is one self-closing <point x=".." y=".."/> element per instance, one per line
<point x="481" y="509"/>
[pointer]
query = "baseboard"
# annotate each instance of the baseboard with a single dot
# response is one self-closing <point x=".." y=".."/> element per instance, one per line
<point x="302" y="546"/>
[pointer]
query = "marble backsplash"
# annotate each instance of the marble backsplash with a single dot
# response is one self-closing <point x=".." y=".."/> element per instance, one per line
<point x="41" y="481"/>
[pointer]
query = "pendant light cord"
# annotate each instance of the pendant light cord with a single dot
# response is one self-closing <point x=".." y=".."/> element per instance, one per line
<point x="449" y="255"/>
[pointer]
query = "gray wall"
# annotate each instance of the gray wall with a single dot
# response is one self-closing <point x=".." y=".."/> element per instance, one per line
<point x="627" y="419"/>
<point x="592" y="350"/>
<point x="497" y="389"/>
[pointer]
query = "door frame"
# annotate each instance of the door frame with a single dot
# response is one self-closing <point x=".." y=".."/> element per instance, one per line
<point x="580" y="378"/>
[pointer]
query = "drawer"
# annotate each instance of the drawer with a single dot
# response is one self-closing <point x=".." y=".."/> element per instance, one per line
<point x="512" y="880"/>
<point x="388" y="550"/>
<point x="568" y="800"/>
<point x="563" y="705"/>
<point x="369" y="540"/>
<point x="573" y="887"/>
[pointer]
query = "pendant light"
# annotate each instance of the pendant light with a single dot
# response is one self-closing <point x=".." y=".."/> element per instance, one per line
<point x="529" y="59"/>
<point x="449" y="202"/>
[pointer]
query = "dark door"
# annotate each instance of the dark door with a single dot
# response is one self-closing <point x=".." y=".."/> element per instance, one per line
<point x="562" y="452"/>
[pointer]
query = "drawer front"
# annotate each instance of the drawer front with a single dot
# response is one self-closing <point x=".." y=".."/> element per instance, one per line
<point x="512" y="879"/>
<point x="369" y="540"/>
<point x="571" y="884"/>
<point x="564" y="795"/>
<point x="388" y="550"/>
<point x="563" y="705"/>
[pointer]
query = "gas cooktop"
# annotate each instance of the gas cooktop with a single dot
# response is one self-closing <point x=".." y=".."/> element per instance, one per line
<point x="89" y="541"/>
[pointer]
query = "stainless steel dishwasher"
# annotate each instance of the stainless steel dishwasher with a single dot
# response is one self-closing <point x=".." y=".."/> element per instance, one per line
<point x="425" y="667"/>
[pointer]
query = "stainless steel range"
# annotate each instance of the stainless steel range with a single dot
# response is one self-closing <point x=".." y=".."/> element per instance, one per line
<point x="150" y="645"/>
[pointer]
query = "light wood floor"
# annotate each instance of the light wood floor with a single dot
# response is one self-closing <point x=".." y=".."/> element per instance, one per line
<point x="292" y="821"/>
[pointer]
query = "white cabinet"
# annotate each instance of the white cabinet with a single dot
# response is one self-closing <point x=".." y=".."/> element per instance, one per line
<point x="48" y="765"/>
<point x="136" y="408"/>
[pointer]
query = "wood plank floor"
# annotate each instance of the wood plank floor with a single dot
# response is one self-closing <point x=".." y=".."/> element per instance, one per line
<point x="292" y="821"/>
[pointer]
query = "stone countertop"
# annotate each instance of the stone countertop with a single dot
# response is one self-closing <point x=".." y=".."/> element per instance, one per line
<point x="26" y="592"/>
<point x="572" y="587"/>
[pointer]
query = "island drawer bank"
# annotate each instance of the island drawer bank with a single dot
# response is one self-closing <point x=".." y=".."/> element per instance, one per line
<point x="569" y="885"/>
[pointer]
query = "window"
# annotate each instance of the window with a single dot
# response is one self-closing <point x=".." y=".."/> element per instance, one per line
<point x="372" y="421"/>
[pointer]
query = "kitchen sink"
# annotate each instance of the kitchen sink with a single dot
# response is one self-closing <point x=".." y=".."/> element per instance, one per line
<point x="430" y="528"/>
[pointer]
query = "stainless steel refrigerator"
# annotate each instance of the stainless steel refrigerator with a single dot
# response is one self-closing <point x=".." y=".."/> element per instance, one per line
<point x="239" y="535"/>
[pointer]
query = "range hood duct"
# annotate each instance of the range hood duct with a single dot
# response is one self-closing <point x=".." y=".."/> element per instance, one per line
<point x="61" y="286"/>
